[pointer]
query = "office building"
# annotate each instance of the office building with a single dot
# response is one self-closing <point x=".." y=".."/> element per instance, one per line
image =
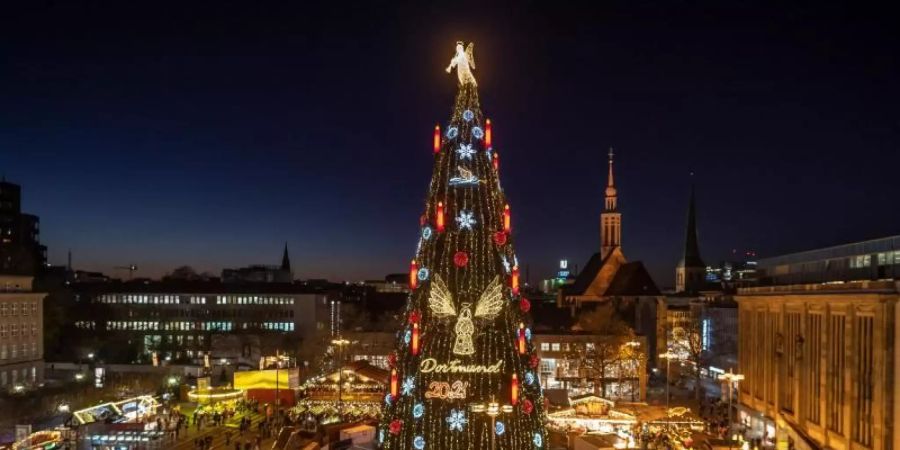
<point x="179" y="320"/>
<point x="21" y="252"/>
<point x="21" y="333"/>
<point x="818" y="348"/>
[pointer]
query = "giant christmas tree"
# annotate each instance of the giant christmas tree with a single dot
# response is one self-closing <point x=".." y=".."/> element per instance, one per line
<point x="464" y="372"/>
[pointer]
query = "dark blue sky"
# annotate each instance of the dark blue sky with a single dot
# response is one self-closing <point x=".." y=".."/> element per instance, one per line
<point x="208" y="134"/>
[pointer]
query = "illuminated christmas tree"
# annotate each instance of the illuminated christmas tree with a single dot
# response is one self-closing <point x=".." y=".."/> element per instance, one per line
<point x="464" y="373"/>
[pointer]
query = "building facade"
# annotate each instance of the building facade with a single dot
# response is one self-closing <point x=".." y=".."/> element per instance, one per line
<point x="184" y="320"/>
<point x="21" y="333"/>
<point x="609" y="278"/>
<point x="21" y="252"/>
<point x="820" y="358"/>
<point x="612" y="367"/>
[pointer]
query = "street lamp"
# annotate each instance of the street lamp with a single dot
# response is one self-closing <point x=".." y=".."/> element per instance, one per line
<point x="731" y="378"/>
<point x="668" y="355"/>
<point x="492" y="409"/>
<point x="341" y="343"/>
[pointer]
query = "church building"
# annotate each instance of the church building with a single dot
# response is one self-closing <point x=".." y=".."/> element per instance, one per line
<point x="609" y="278"/>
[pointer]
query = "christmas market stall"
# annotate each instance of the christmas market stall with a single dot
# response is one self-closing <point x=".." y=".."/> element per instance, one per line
<point x="353" y="393"/>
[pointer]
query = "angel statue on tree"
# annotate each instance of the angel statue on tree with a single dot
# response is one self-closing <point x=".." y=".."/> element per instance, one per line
<point x="464" y="61"/>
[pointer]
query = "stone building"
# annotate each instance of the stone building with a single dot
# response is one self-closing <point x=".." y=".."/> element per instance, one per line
<point x="819" y="356"/>
<point x="609" y="278"/>
<point x="21" y="333"/>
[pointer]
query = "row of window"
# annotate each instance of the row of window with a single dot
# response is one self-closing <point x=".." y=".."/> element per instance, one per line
<point x="194" y="299"/>
<point x="16" y="376"/>
<point x="15" y="330"/>
<point x="811" y="355"/>
<point x="13" y="351"/>
<point x="565" y="346"/>
<point x="18" y="308"/>
<point x="122" y="325"/>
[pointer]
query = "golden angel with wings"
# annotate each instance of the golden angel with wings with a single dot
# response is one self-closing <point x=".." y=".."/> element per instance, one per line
<point x="488" y="306"/>
<point x="464" y="61"/>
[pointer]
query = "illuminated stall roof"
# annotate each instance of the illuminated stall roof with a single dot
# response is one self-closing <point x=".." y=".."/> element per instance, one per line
<point x="121" y="411"/>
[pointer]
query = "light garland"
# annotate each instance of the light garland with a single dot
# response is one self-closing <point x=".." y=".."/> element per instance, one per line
<point x="474" y="340"/>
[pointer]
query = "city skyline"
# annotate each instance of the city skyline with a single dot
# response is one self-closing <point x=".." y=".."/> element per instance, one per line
<point x="211" y="143"/>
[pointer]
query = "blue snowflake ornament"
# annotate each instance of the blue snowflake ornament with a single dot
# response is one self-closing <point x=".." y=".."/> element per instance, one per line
<point x="387" y="399"/>
<point x="465" y="220"/>
<point x="465" y="151"/>
<point x="452" y="132"/>
<point x="457" y="420"/>
<point x="529" y="378"/>
<point x="407" y="337"/>
<point x="426" y="233"/>
<point x="418" y="410"/>
<point x="419" y="442"/>
<point x="468" y="115"/>
<point x="528" y="334"/>
<point x="408" y="385"/>
<point x="500" y="428"/>
<point x="538" y="440"/>
<point x="422" y="274"/>
<point x="477" y="132"/>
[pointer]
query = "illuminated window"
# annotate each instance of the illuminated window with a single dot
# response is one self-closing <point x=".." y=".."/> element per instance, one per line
<point x="555" y="346"/>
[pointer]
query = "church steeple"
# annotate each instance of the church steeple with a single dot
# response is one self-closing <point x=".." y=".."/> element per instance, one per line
<point x="285" y="259"/>
<point x="610" y="219"/>
<point x="691" y="271"/>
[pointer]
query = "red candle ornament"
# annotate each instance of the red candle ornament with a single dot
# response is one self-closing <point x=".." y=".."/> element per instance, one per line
<point x="495" y="160"/>
<point x="514" y="283"/>
<point x="507" y="222"/>
<point x="514" y="394"/>
<point x="437" y="139"/>
<point x="461" y="259"/>
<point x="524" y="305"/>
<point x="500" y="238"/>
<point x="521" y="338"/>
<point x="488" y="134"/>
<point x="415" y="339"/>
<point x="413" y="274"/>
<point x="394" y="381"/>
<point x="395" y="426"/>
<point x="439" y="222"/>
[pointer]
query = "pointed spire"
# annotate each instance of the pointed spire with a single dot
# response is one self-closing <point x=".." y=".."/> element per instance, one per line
<point x="610" y="182"/>
<point x="285" y="259"/>
<point x="691" y="257"/>
<point x="610" y="185"/>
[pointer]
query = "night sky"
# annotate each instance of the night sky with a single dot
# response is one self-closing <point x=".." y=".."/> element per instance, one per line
<point x="209" y="134"/>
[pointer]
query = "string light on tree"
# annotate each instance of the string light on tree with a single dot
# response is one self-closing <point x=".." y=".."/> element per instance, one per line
<point x="465" y="342"/>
